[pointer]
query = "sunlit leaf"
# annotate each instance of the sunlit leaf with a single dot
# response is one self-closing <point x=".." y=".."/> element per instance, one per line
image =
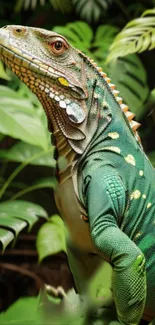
<point x="16" y="215"/>
<point x="137" y="36"/>
<point x="22" y="312"/>
<point x="6" y="237"/>
<point x="51" y="238"/>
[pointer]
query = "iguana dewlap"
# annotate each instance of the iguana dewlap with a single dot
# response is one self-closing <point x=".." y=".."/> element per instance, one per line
<point x="107" y="177"/>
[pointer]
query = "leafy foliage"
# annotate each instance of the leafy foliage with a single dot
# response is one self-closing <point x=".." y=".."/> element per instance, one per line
<point x="19" y="119"/>
<point x="91" y="10"/>
<point x="15" y="216"/>
<point x="127" y="73"/>
<point x="137" y="36"/>
<point x="81" y="36"/>
<point x="62" y="5"/>
<point x="132" y="82"/>
<point x="51" y="238"/>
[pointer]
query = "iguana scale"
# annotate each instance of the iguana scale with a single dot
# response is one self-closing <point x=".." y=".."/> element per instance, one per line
<point x="106" y="192"/>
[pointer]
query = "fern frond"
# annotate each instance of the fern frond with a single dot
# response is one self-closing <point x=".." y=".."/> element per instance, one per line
<point x="137" y="36"/>
<point x="91" y="10"/>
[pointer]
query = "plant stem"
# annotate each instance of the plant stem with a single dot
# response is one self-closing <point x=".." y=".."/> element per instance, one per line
<point x="26" y="190"/>
<point x="19" y="169"/>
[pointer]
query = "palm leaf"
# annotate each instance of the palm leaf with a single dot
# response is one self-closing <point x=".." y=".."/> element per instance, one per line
<point x="91" y="10"/>
<point x="137" y="36"/>
<point x="15" y="216"/>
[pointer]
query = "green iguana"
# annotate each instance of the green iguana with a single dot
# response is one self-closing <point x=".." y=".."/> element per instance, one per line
<point x="106" y="192"/>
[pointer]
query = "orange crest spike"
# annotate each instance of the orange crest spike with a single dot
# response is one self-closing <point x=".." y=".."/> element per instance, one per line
<point x="112" y="86"/>
<point x="124" y="108"/>
<point x="107" y="80"/>
<point x="129" y="115"/>
<point x="115" y="92"/>
<point x="134" y="125"/>
<point x="119" y="100"/>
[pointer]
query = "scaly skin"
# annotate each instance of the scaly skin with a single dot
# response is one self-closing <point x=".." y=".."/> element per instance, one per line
<point x="106" y="192"/>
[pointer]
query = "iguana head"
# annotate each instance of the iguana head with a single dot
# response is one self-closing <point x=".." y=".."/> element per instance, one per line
<point x="69" y="86"/>
<point x="53" y="70"/>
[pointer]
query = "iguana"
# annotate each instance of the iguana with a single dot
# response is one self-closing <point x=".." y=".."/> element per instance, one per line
<point x="106" y="191"/>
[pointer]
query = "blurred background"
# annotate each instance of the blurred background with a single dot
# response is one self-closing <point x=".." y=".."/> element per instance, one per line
<point x="33" y="247"/>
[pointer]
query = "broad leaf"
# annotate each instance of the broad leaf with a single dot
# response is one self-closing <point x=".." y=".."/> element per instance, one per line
<point x="16" y="215"/>
<point x="137" y="36"/>
<point x="51" y="238"/>
<point x="22" y="152"/>
<point x="6" y="237"/>
<point x="18" y="119"/>
<point x="129" y="76"/>
<point x="22" y="312"/>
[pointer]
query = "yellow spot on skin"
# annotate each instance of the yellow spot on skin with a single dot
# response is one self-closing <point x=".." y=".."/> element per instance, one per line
<point x="144" y="196"/>
<point x="113" y="135"/>
<point x="130" y="160"/>
<point x="115" y="149"/>
<point x="135" y="195"/>
<point x="148" y="205"/>
<point x="63" y="81"/>
<point x="141" y="173"/>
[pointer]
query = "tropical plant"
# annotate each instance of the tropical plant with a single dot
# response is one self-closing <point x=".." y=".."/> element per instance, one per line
<point x="137" y="36"/>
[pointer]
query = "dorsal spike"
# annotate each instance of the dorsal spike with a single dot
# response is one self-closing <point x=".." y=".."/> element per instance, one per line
<point x="119" y="100"/>
<point x="129" y="115"/>
<point x="103" y="74"/>
<point x="107" y="80"/>
<point x="134" y="125"/>
<point x="115" y="92"/>
<point x="124" y="107"/>
<point x="99" y="69"/>
<point x="112" y="86"/>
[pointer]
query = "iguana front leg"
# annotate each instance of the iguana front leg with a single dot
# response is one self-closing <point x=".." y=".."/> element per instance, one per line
<point x="105" y="200"/>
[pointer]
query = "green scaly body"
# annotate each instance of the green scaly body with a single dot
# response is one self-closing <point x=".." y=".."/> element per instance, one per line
<point x="106" y="193"/>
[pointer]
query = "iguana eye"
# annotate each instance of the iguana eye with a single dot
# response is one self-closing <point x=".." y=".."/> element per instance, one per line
<point x="59" y="46"/>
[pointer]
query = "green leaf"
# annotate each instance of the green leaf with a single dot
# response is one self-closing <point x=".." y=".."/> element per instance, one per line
<point x="3" y="74"/>
<point x="12" y="223"/>
<point x="129" y="76"/>
<point x="16" y="215"/>
<point x="6" y="237"/>
<point x="23" y="312"/>
<point x="91" y="10"/>
<point x="22" y="152"/>
<point x="51" y="238"/>
<point x="137" y="36"/>
<point x="18" y="119"/>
